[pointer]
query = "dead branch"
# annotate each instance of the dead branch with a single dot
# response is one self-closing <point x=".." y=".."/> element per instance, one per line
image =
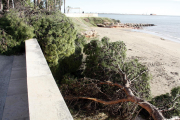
<point x="156" y="114"/>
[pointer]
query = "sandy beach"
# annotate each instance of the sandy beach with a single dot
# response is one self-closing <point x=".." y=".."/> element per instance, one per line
<point x="162" y="57"/>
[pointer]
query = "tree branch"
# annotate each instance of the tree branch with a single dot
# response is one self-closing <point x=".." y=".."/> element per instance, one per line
<point x="98" y="100"/>
<point x="172" y="108"/>
<point x="138" y="75"/>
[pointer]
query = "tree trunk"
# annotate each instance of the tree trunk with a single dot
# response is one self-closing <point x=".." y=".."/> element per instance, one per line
<point x="38" y="2"/>
<point x="6" y="6"/>
<point x="13" y="4"/>
<point x="46" y="4"/>
<point x="54" y="4"/>
<point x="10" y="4"/>
<point x="64" y="6"/>
<point x="60" y="2"/>
<point x="34" y="3"/>
<point x="0" y="4"/>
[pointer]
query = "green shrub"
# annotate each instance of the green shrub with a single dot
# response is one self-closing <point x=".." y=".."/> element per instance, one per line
<point x="103" y="54"/>
<point x="102" y="60"/>
<point x="116" y="21"/>
<point x="14" y="32"/>
<point x="72" y="64"/>
<point x="101" y="65"/>
<point x="15" y="26"/>
<point x="166" y="101"/>
<point x="56" y="36"/>
<point x="6" y="43"/>
<point x="97" y="20"/>
<point x="53" y="30"/>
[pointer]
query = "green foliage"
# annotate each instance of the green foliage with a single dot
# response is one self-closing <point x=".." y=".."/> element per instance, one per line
<point x="28" y="3"/>
<point x="168" y="101"/>
<point x="15" y="26"/>
<point x="103" y="54"/>
<point x="102" y="60"/>
<point x="72" y="64"/>
<point x="6" y="43"/>
<point x="175" y="91"/>
<point x="14" y="32"/>
<point x="56" y="34"/>
<point x="97" y="20"/>
<point x="54" y="31"/>
<point x="141" y="86"/>
<point x="101" y="64"/>
<point x="116" y="21"/>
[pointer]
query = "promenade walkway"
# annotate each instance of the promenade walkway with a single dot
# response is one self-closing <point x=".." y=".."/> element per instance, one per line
<point x="5" y="73"/>
<point x="13" y="88"/>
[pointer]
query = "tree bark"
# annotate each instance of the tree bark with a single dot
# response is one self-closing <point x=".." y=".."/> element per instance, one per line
<point x="60" y="2"/>
<point x="0" y="4"/>
<point x="46" y="4"/>
<point x="34" y="3"/>
<point x="64" y="6"/>
<point x="54" y="4"/>
<point x="6" y="6"/>
<point x="38" y="2"/>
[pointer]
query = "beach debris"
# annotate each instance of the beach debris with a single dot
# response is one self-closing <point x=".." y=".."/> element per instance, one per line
<point x="162" y="38"/>
<point x="89" y="33"/>
<point x="175" y="73"/>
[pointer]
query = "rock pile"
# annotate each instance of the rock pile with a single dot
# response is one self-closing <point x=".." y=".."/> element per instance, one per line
<point x="126" y="25"/>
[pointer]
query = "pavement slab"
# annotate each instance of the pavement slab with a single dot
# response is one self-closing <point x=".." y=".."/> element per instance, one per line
<point x="16" y="99"/>
<point x="5" y="73"/>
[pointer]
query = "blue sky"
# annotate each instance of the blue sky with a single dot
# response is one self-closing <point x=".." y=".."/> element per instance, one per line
<point x="159" y="7"/>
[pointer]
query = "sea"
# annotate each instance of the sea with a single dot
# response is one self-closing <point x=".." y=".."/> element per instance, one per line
<point x="167" y="27"/>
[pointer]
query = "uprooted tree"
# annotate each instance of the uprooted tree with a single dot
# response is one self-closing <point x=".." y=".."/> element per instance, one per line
<point x="115" y="84"/>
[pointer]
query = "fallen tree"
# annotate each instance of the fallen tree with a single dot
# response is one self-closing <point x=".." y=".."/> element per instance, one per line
<point x="121" y="85"/>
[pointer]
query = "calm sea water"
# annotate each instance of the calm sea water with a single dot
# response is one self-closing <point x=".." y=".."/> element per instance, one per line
<point x="167" y="27"/>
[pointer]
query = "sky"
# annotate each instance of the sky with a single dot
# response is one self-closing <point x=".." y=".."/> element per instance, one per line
<point x="159" y="7"/>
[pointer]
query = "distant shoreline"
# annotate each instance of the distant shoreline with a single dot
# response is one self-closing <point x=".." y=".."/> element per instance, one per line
<point x="138" y="14"/>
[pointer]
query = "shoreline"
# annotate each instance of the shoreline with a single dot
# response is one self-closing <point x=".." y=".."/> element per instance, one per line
<point x="162" y="57"/>
<point x="173" y="39"/>
<point x="139" y="14"/>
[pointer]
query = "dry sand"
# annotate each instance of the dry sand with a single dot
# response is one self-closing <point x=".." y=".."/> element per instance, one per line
<point x="162" y="57"/>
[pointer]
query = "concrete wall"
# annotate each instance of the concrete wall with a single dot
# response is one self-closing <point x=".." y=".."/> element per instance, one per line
<point x="81" y="15"/>
<point x="44" y="98"/>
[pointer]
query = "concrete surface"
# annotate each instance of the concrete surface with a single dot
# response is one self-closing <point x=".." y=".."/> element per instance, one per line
<point x="5" y="73"/>
<point x="81" y="15"/>
<point x="44" y="97"/>
<point x="16" y="106"/>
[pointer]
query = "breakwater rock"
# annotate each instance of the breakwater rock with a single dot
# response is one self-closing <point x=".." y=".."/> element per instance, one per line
<point x="125" y="25"/>
<point x="138" y="25"/>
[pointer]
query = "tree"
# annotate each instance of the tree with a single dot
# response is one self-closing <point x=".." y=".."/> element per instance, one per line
<point x="47" y="4"/>
<point x="64" y="6"/>
<point x="112" y="80"/>
<point x="5" y="5"/>
<point x="35" y="3"/>
<point x="0" y="4"/>
<point x="60" y="4"/>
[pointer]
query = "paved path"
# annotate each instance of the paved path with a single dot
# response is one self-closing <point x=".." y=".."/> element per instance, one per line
<point x="14" y="100"/>
<point x="5" y="73"/>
